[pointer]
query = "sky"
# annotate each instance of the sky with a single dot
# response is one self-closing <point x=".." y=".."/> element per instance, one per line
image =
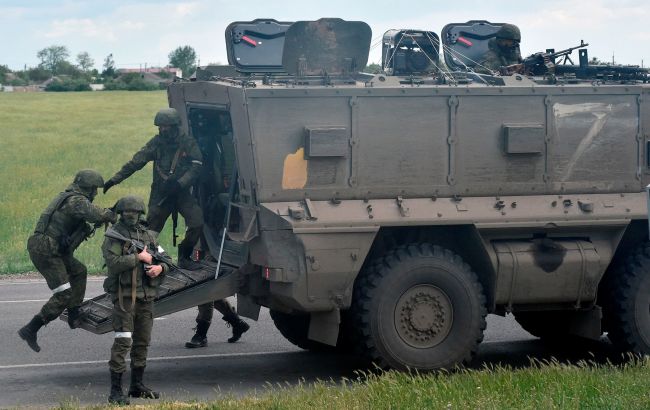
<point x="143" y="32"/>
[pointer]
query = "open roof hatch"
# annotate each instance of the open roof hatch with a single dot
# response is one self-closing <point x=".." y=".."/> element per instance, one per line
<point x="407" y="52"/>
<point x="256" y="46"/>
<point x="465" y="43"/>
<point x="329" y="46"/>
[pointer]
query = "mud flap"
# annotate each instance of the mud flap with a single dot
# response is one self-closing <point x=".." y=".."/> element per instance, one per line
<point x="324" y="327"/>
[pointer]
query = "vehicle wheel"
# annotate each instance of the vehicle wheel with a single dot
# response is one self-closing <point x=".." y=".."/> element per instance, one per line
<point x="547" y="325"/>
<point x="419" y="307"/>
<point x="294" y="328"/>
<point x="626" y="302"/>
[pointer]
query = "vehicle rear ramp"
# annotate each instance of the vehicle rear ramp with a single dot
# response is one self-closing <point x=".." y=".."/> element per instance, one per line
<point x="181" y="289"/>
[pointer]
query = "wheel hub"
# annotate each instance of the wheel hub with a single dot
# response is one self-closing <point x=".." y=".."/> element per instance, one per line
<point x="423" y="316"/>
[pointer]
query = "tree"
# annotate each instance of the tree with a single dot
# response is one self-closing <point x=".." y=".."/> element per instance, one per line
<point x="596" y="61"/>
<point x="84" y="61"/>
<point x="183" y="58"/>
<point x="51" y="57"/>
<point x="372" y="68"/>
<point x="109" y="66"/>
<point x="4" y="70"/>
<point x="36" y="74"/>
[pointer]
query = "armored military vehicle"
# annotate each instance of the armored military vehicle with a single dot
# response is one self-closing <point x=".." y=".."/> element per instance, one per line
<point x="389" y="214"/>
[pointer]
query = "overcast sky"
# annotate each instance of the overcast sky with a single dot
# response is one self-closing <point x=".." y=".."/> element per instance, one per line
<point x="145" y="31"/>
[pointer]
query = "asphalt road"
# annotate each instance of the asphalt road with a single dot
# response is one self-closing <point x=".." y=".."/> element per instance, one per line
<point x="72" y="365"/>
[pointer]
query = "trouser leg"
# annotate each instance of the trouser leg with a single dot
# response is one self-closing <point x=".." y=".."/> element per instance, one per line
<point x="193" y="215"/>
<point x="123" y="328"/>
<point x="54" y="270"/>
<point x="205" y="313"/>
<point x="78" y="278"/>
<point x="156" y="217"/>
<point x="143" y="323"/>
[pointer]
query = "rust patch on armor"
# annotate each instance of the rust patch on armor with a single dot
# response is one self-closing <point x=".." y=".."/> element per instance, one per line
<point x="294" y="174"/>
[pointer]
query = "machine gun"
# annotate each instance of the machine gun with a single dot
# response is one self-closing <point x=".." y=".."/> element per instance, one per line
<point x="135" y="245"/>
<point x="541" y="63"/>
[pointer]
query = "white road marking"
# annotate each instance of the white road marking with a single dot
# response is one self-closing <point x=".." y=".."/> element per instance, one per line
<point x="32" y="281"/>
<point x="155" y="359"/>
<point x="28" y="300"/>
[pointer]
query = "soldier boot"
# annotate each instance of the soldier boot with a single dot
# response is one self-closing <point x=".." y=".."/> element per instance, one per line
<point x="29" y="331"/>
<point x="200" y="337"/>
<point x="185" y="255"/>
<point x="239" y="327"/>
<point x="138" y="389"/>
<point x="117" y="394"/>
<point x="75" y="317"/>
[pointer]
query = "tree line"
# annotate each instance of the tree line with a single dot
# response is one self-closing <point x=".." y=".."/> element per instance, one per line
<point x="77" y="74"/>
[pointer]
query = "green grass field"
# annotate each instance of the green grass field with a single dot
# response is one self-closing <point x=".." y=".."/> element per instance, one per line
<point x="46" y="137"/>
<point x="540" y="386"/>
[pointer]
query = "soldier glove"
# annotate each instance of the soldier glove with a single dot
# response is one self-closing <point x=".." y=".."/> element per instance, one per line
<point x="110" y="183"/>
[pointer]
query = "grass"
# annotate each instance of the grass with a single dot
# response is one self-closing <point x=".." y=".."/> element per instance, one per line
<point x="46" y="137"/>
<point x="549" y="385"/>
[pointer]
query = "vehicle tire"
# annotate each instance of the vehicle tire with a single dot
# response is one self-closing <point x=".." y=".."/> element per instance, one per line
<point x="418" y="307"/>
<point x="626" y="302"/>
<point x="547" y="325"/>
<point x="294" y="328"/>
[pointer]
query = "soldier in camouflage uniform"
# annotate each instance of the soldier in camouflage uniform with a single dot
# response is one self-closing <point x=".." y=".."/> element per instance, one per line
<point x="133" y="287"/>
<point x="59" y="231"/>
<point x="215" y="180"/>
<point x="177" y="162"/>
<point x="503" y="50"/>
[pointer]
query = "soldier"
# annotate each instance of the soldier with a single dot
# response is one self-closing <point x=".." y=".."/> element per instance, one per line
<point x="177" y="162"/>
<point x="133" y="287"/>
<point x="215" y="179"/>
<point x="204" y="318"/>
<point x="59" y="231"/>
<point x="503" y="49"/>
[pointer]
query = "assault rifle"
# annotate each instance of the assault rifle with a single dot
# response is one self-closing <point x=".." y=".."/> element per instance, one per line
<point x="84" y="232"/>
<point x="541" y="63"/>
<point x="135" y="245"/>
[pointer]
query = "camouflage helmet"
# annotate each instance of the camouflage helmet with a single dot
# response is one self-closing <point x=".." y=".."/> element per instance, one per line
<point x="88" y="178"/>
<point x="509" y="32"/>
<point x="130" y="203"/>
<point x="167" y="116"/>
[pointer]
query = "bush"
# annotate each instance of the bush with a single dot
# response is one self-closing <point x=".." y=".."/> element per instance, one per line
<point x="18" y="82"/>
<point x="68" y="85"/>
<point x="130" y="83"/>
<point x="38" y="74"/>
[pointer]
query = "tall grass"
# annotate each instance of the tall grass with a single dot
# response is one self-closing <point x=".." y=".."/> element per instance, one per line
<point x="549" y="385"/>
<point x="46" y="137"/>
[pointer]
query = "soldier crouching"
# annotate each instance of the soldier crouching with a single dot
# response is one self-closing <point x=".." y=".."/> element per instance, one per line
<point x="133" y="281"/>
<point x="62" y="227"/>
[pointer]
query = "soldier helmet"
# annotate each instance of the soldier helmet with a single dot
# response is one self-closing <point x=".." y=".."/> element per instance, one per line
<point x="88" y="178"/>
<point x="509" y="32"/>
<point x="167" y="116"/>
<point x="130" y="203"/>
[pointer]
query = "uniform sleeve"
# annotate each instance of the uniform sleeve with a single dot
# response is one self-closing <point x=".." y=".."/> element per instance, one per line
<point x="81" y="207"/>
<point x="139" y="160"/>
<point x="115" y="261"/>
<point x="196" y="162"/>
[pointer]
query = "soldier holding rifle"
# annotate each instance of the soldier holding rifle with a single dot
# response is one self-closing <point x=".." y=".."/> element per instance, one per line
<point x="136" y="266"/>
